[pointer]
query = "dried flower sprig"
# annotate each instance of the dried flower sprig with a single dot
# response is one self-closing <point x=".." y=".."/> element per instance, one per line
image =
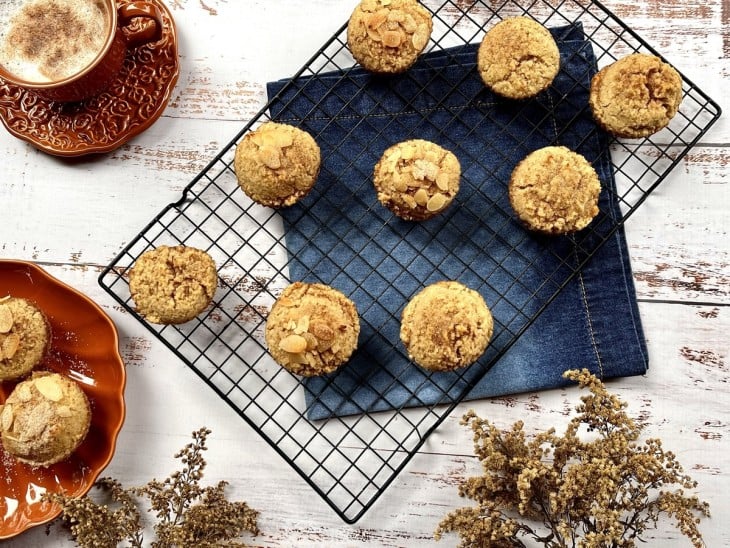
<point x="563" y="492"/>
<point x="186" y="513"/>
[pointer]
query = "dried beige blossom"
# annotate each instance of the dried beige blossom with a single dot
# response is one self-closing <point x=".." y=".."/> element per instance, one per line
<point x="563" y="492"/>
<point x="186" y="513"/>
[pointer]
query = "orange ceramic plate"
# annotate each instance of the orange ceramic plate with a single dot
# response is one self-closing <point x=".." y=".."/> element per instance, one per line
<point x="84" y="346"/>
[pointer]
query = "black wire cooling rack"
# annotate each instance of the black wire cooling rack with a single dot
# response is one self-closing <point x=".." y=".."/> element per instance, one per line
<point x="350" y="453"/>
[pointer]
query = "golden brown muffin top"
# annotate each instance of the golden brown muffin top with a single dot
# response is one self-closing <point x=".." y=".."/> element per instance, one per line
<point x="172" y="285"/>
<point x="24" y="337"/>
<point x="446" y="326"/>
<point x="312" y="329"/>
<point x="387" y="36"/>
<point x="277" y="164"/>
<point x="44" y="419"/>
<point x="554" y="191"/>
<point x="635" y="96"/>
<point x="518" y="58"/>
<point x="417" y="179"/>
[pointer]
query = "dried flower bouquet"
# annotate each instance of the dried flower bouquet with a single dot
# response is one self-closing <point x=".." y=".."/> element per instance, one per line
<point x="604" y="489"/>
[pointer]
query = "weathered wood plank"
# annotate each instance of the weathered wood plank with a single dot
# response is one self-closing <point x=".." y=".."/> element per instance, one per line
<point x="688" y="366"/>
<point x="73" y="216"/>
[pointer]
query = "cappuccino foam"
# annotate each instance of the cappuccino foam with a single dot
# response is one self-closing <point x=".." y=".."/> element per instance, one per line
<point x="50" y="40"/>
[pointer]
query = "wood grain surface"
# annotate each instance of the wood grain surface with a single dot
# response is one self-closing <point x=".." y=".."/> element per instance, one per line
<point x="72" y="216"/>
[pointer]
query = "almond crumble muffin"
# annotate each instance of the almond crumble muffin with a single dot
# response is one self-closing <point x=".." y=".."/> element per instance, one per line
<point x="387" y="36"/>
<point x="172" y="285"/>
<point x="635" y="96"/>
<point x="554" y="190"/>
<point x="417" y="179"/>
<point x="518" y="58"/>
<point x="446" y="326"/>
<point x="25" y="337"/>
<point x="312" y="329"/>
<point x="44" y="419"/>
<point x="277" y="164"/>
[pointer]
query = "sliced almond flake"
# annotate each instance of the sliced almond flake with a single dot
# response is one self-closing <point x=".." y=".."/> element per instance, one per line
<point x="374" y="34"/>
<point x="24" y="393"/>
<point x="296" y="358"/>
<point x="6" y="319"/>
<point x="270" y="156"/>
<point x="399" y="183"/>
<point x="302" y="325"/>
<point x="408" y="152"/>
<point x="421" y="196"/>
<point x="256" y="137"/>
<point x="392" y="38"/>
<point x="49" y="388"/>
<point x="37" y="424"/>
<point x="294" y="344"/>
<point x="10" y="345"/>
<point x="436" y="202"/>
<point x="410" y="201"/>
<point x="375" y="19"/>
<point x="7" y="417"/>
<point x="409" y="23"/>
<point x="420" y="37"/>
<point x="442" y="181"/>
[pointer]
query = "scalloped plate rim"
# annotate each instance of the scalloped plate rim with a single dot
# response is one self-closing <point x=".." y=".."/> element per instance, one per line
<point x="114" y="428"/>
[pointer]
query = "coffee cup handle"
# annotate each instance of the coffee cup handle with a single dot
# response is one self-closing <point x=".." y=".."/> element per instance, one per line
<point x="145" y="34"/>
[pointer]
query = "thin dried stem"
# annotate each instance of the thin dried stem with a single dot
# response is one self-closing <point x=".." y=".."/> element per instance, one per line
<point x="562" y="492"/>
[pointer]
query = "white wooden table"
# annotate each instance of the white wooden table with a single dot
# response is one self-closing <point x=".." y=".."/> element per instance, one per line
<point x="73" y="216"/>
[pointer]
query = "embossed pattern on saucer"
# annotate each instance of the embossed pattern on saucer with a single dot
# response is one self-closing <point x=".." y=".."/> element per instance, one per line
<point x="131" y="104"/>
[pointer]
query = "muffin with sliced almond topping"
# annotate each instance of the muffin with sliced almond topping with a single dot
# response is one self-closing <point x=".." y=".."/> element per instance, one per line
<point x="387" y="36"/>
<point x="44" y="419"/>
<point x="277" y="164"/>
<point x="312" y="329"/>
<point x="25" y="336"/>
<point x="417" y="179"/>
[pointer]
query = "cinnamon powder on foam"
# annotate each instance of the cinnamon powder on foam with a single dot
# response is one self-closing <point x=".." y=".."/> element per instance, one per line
<point x="58" y="37"/>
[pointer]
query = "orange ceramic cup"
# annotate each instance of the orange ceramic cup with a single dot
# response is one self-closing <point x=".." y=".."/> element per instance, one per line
<point x="23" y="34"/>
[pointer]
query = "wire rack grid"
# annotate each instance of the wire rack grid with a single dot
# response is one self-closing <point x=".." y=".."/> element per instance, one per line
<point x="350" y="457"/>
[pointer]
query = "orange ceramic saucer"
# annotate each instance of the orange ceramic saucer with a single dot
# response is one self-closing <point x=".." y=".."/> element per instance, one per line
<point x="85" y="347"/>
<point x="132" y="103"/>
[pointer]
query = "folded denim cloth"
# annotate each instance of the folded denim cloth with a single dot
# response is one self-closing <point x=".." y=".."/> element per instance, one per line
<point x="340" y="234"/>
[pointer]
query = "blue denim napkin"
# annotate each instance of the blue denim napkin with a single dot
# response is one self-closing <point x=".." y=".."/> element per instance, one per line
<point x="340" y="234"/>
